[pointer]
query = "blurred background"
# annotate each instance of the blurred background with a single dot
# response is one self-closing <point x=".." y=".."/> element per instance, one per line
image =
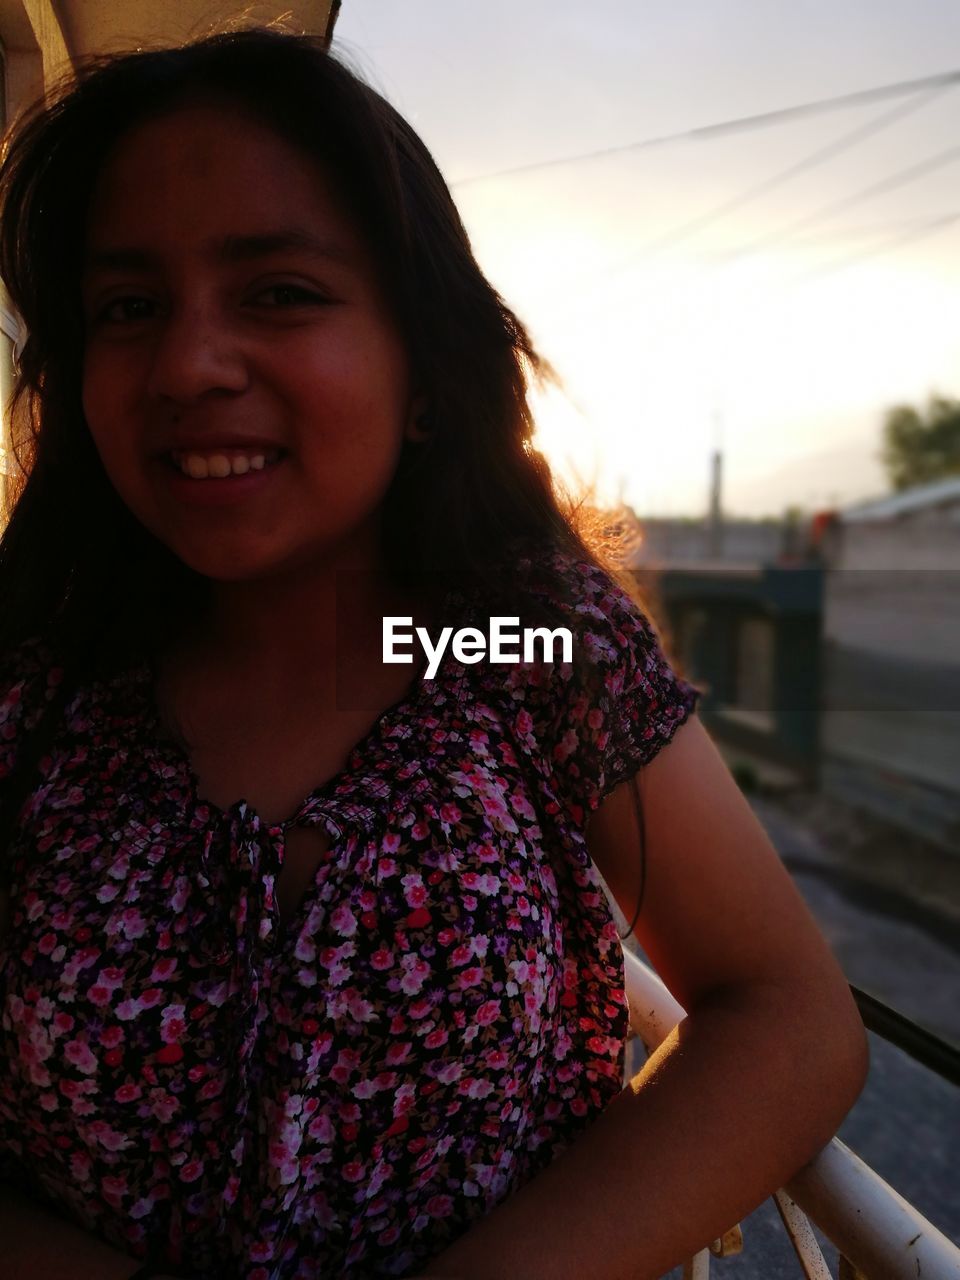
<point x="730" y="225"/>
<point x="734" y="230"/>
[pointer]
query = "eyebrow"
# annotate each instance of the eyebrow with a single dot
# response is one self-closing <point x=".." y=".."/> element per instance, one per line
<point x="233" y="248"/>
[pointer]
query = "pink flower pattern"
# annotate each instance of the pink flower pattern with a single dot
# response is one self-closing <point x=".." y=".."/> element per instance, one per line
<point x="344" y="1094"/>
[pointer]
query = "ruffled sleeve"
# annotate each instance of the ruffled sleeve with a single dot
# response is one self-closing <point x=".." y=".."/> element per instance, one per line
<point x="619" y="702"/>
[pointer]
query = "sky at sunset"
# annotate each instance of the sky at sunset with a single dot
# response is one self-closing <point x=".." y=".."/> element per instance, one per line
<point x="771" y="289"/>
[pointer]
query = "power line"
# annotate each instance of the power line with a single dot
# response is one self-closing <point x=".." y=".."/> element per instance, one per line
<point x="815" y="158"/>
<point x="911" y="231"/>
<point x="820" y="156"/>
<point x="901" y="178"/>
<point x="920" y="231"/>
<point x="866" y="231"/>
<point x="742" y="124"/>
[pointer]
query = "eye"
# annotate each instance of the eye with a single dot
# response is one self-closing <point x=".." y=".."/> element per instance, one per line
<point x="125" y="310"/>
<point x="291" y="295"/>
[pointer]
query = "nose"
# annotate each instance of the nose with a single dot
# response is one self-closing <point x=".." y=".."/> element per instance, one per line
<point x="196" y="353"/>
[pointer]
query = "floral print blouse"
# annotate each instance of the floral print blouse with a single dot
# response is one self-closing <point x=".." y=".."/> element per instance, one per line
<point x="191" y="1078"/>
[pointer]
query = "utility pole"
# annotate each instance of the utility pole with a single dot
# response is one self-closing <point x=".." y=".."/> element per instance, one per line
<point x="715" y="517"/>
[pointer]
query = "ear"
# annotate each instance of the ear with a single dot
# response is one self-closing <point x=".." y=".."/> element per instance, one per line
<point x="419" y="426"/>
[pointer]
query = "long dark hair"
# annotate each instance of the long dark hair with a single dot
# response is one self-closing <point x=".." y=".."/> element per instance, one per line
<point x="75" y="565"/>
<point x="72" y="555"/>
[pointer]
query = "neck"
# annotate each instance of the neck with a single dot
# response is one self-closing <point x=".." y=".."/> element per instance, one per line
<point x="319" y="628"/>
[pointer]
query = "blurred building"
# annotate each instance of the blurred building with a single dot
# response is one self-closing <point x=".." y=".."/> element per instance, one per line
<point x="740" y="602"/>
<point x="678" y="541"/>
<point x="832" y="652"/>
<point x="890" y="727"/>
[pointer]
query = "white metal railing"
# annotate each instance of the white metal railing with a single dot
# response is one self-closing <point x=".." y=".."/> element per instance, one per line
<point x="879" y="1235"/>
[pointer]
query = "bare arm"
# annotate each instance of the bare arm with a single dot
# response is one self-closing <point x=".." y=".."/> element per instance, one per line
<point x="743" y="1093"/>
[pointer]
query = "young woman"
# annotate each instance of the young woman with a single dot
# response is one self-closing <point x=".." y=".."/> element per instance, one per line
<point x="306" y="968"/>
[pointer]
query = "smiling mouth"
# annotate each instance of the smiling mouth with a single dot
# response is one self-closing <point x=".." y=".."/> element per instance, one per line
<point x="221" y="464"/>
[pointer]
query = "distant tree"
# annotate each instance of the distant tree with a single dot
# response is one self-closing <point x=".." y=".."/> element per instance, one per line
<point x="922" y="446"/>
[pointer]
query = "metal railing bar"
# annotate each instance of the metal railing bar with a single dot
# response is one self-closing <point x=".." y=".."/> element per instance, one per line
<point x="698" y="1267"/>
<point x="882" y="1235"/>
<point x="801" y="1235"/>
<point x="921" y="1045"/>
<point x="872" y="1225"/>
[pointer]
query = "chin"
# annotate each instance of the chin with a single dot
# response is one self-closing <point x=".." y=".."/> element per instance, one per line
<point x="226" y="569"/>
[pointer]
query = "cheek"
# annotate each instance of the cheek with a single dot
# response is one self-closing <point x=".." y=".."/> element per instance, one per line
<point x="102" y="410"/>
<point x="357" y="416"/>
<point x="99" y="399"/>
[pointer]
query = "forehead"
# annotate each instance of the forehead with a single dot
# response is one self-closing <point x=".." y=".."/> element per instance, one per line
<point x="204" y="172"/>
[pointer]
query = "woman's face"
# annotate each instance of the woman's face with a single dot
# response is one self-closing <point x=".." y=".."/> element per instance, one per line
<point x="244" y="383"/>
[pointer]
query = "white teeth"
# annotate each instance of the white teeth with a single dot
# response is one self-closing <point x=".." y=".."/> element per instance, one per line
<point x="201" y="466"/>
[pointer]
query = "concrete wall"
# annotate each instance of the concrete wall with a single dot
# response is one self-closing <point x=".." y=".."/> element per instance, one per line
<point x="890" y="725"/>
<point x="743" y="541"/>
<point x="927" y="540"/>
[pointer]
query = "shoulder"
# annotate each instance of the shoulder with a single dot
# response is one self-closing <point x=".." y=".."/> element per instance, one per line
<point x="617" y="701"/>
<point x="571" y="584"/>
<point x="616" y="645"/>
